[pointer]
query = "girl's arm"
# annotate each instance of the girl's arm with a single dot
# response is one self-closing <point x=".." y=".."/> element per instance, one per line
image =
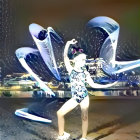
<point x="95" y="85"/>
<point x="66" y="59"/>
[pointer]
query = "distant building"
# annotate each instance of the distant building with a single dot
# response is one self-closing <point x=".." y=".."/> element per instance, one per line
<point x="19" y="79"/>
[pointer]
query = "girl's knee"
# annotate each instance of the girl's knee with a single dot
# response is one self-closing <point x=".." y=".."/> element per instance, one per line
<point x="60" y="114"/>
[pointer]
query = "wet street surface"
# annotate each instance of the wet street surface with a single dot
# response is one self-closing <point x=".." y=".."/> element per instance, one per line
<point x="115" y="118"/>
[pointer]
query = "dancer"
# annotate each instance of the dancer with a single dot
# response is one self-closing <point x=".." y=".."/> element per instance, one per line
<point x="79" y="76"/>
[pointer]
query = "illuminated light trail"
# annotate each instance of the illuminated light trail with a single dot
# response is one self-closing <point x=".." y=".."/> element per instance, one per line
<point x="108" y="49"/>
<point x="45" y="47"/>
<point x="21" y="54"/>
<point x="24" y="114"/>
<point x="44" y="44"/>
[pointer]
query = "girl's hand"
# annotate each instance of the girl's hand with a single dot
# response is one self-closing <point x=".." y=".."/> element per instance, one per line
<point x="73" y="41"/>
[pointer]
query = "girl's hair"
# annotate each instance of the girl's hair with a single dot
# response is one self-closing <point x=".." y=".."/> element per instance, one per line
<point x="75" y="51"/>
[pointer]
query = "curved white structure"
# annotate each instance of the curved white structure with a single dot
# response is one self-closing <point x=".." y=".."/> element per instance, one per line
<point x="21" y="54"/>
<point x="45" y="46"/>
<point x="108" y="49"/>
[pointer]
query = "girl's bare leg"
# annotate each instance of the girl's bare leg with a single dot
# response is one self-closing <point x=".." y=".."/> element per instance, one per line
<point x="84" y="108"/>
<point x="67" y="107"/>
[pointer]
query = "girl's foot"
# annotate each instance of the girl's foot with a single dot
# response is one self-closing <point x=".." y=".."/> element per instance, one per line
<point x="64" y="137"/>
<point x="83" y="139"/>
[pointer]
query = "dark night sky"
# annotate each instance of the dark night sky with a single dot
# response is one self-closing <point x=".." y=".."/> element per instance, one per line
<point x="68" y="18"/>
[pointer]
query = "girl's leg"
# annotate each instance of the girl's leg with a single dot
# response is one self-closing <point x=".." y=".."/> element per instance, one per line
<point x="68" y="106"/>
<point x="84" y="115"/>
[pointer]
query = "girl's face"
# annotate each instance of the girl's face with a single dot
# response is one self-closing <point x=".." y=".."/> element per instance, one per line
<point x="80" y="60"/>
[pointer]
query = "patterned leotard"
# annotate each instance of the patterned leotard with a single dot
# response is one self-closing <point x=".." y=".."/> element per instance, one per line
<point x="78" y="88"/>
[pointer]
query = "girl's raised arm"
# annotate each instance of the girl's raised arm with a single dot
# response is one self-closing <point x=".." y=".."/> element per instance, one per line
<point x="66" y="59"/>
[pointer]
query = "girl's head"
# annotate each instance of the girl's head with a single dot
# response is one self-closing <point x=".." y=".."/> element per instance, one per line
<point x="79" y="57"/>
<point x="80" y="60"/>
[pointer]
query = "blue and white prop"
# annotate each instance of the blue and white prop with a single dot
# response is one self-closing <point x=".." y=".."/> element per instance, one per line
<point x="108" y="49"/>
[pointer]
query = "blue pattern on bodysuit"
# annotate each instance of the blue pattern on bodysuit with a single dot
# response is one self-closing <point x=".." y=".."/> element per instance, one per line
<point x="78" y="88"/>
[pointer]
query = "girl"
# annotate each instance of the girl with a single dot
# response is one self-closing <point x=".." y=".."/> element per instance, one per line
<point x="78" y="78"/>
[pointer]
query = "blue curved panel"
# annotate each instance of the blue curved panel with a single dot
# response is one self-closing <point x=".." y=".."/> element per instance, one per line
<point x="45" y="47"/>
<point x="108" y="49"/>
